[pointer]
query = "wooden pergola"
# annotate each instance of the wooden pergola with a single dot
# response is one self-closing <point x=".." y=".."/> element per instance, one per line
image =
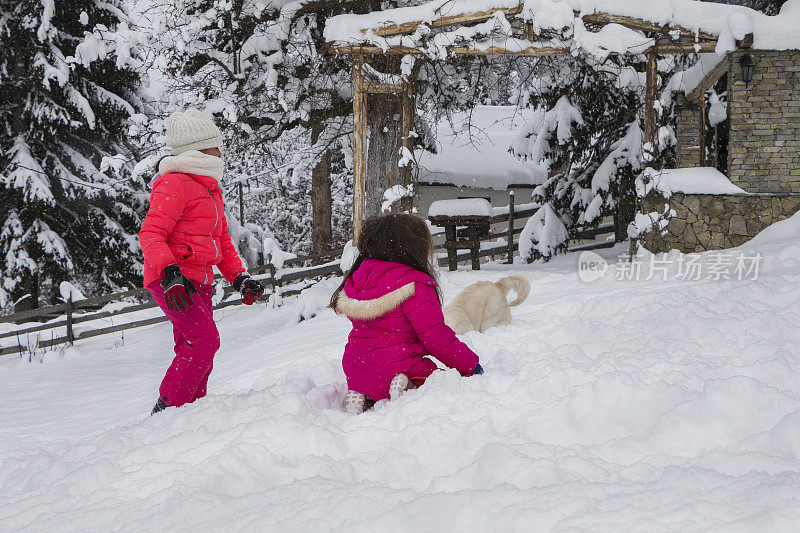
<point x="666" y="40"/>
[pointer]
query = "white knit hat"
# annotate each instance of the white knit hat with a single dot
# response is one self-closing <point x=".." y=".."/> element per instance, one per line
<point x="191" y="131"/>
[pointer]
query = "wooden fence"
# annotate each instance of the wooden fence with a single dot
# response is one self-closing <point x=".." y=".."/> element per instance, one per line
<point x="294" y="270"/>
<point x="510" y="214"/>
<point x="140" y="300"/>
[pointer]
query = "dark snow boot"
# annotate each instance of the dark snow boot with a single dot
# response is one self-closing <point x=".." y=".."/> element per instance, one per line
<point x="159" y="406"/>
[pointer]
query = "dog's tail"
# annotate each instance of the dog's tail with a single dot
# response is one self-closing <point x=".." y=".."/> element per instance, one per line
<point x="517" y="283"/>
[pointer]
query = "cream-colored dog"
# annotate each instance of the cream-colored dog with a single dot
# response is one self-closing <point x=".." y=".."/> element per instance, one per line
<point x="483" y="305"/>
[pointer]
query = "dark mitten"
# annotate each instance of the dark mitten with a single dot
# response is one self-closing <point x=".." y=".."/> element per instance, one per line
<point x="251" y="289"/>
<point x="176" y="288"/>
<point x="478" y="370"/>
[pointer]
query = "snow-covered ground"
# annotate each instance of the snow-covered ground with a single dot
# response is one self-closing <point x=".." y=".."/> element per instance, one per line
<point x="607" y="406"/>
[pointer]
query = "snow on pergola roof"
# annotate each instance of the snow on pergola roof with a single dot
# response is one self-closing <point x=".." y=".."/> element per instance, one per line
<point x="403" y="29"/>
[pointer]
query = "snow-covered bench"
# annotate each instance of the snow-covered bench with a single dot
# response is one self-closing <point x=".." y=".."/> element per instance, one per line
<point x="471" y="213"/>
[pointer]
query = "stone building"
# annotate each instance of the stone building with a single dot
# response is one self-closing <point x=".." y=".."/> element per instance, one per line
<point x="761" y="153"/>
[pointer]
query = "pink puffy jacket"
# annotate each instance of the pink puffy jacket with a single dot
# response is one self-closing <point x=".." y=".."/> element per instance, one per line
<point x="186" y="226"/>
<point x="397" y="320"/>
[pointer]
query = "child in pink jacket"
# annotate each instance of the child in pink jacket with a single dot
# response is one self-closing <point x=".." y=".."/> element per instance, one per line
<point x="391" y="297"/>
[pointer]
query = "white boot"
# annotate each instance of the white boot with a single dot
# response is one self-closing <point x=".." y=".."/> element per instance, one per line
<point x="398" y="386"/>
<point x="354" y="402"/>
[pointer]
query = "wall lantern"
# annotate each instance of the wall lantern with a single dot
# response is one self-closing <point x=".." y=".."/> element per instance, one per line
<point x="748" y="67"/>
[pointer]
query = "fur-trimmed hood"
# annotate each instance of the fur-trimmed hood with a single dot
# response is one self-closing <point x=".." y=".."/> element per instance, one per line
<point x="378" y="287"/>
<point x="374" y="308"/>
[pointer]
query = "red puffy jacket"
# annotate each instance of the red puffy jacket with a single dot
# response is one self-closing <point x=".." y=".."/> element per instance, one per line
<point x="186" y="226"/>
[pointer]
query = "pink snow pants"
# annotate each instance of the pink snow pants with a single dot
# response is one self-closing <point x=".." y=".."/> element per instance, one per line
<point x="196" y="342"/>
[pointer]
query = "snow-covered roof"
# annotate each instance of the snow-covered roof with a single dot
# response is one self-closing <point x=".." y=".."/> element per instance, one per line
<point x="693" y="180"/>
<point x="730" y="23"/>
<point x="478" y="156"/>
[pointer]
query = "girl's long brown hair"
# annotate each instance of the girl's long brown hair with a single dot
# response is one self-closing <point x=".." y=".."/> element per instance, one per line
<point x="397" y="237"/>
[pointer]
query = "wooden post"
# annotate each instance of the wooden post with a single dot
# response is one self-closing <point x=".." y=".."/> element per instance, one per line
<point x="407" y="104"/>
<point x="359" y="146"/>
<point x="715" y="144"/>
<point x="703" y="130"/>
<point x="475" y="247"/>
<point x="510" y="227"/>
<point x="651" y="86"/>
<point x="241" y="205"/>
<point x="649" y="106"/>
<point x="450" y="244"/>
<point x="30" y="284"/>
<point x="273" y="278"/>
<point x="70" y="332"/>
<point x="273" y="282"/>
<point x="527" y="32"/>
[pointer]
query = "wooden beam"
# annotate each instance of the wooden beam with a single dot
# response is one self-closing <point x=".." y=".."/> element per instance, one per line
<point x="716" y="73"/>
<point x="527" y="31"/>
<point x="498" y="50"/>
<point x="649" y="107"/>
<point x="406" y="172"/>
<point x="663" y="49"/>
<point x="359" y="146"/>
<point x="377" y="50"/>
<point x="709" y="80"/>
<point x="745" y="43"/>
<point x="510" y="251"/>
<point x="464" y="18"/>
<point x="457" y="50"/>
<point x="372" y="87"/>
<point x="686" y="48"/>
<point x="600" y="19"/>
<point x="703" y="130"/>
<point x="633" y="23"/>
<point x="650" y="129"/>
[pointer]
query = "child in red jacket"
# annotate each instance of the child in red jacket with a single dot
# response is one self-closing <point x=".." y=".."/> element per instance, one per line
<point x="183" y="235"/>
<point x="392" y="298"/>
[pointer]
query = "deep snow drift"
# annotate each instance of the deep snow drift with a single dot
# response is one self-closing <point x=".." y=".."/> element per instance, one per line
<point x="613" y="405"/>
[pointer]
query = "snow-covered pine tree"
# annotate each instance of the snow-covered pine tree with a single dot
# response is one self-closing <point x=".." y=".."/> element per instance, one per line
<point x="588" y="129"/>
<point x="266" y="72"/>
<point x="544" y="235"/>
<point x="70" y="83"/>
<point x="259" y="68"/>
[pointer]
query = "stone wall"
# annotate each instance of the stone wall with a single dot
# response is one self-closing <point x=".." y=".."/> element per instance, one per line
<point x="713" y="222"/>
<point x="687" y="131"/>
<point x="764" y="149"/>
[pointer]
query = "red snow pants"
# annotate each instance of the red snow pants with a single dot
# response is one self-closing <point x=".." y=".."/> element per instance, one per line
<point x="196" y="342"/>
